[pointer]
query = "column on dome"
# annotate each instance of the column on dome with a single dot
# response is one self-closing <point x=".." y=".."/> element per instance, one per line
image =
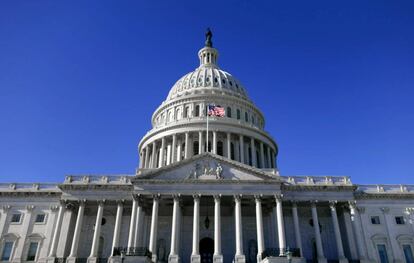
<point x="228" y="143"/>
<point x="280" y="225"/>
<point x="77" y="232"/>
<point x="200" y="142"/>
<point x="154" y="227"/>
<point x="93" y="256"/>
<point x="296" y="227"/>
<point x="239" y="257"/>
<point x="187" y="146"/>
<point x="195" y="254"/>
<point x="154" y="154"/>
<point x="146" y="163"/>
<point x="179" y="150"/>
<point x="262" y="156"/>
<point x="259" y="228"/>
<point x="141" y="158"/>
<point x="253" y="152"/>
<point x="217" y="256"/>
<point x="269" y="156"/>
<point x="168" y="161"/>
<point x="173" y="149"/>
<point x="337" y="232"/>
<point x="318" y="239"/>
<point x="215" y="142"/>
<point x="161" y="160"/>
<point x="241" y="152"/>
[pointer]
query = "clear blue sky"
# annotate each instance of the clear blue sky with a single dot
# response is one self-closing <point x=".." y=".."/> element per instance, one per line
<point x="79" y="81"/>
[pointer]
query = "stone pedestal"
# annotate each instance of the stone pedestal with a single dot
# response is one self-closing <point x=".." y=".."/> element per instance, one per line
<point x="343" y="260"/>
<point x="92" y="260"/>
<point x="50" y="260"/>
<point x="71" y="260"/>
<point x="217" y="258"/>
<point x="322" y="260"/>
<point x="112" y="259"/>
<point x="173" y="259"/>
<point x="283" y="260"/>
<point x="239" y="259"/>
<point x="195" y="259"/>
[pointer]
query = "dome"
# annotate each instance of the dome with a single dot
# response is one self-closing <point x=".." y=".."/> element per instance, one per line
<point x="207" y="75"/>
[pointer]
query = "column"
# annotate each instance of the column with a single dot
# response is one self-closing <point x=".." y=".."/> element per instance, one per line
<point x="253" y="149"/>
<point x="154" y="154"/>
<point x="239" y="257"/>
<point x="55" y="239"/>
<point x="298" y="237"/>
<point x="179" y="151"/>
<point x="168" y="154"/>
<point x="132" y="223"/>
<point x="217" y="257"/>
<point x="259" y="228"/>
<point x="187" y="147"/>
<point x="146" y="164"/>
<point x="269" y="156"/>
<point x="97" y="233"/>
<point x="318" y="239"/>
<point x="280" y="225"/>
<point x="200" y="142"/>
<point x="241" y="148"/>
<point x="138" y="223"/>
<point x="141" y="159"/>
<point x="118" y="224"/>
<point x="5" y="209"/>
<point x="337" y="231"/>
<point x="174" y="146"/>
<point x="174" y="257"/>
<point x="161" y="160"/>
<point x="356" y="223"/>
<point x="214" y="142"/>
<point x="195" y="254"/>
<point x="262" y="158"/>
<point x="76" y="235"/>
<point x="18" y="250"/>
<point x="228" y="145"/>
<point x="153" y="229"/>
<point x="393" y="240"/>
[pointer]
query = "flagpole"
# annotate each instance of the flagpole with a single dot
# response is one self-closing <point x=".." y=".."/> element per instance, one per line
<point x="208" y="108"/>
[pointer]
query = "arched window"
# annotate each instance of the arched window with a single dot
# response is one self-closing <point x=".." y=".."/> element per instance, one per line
<point x="195" y="147"/>
<point x="177" y="114"/>
<point x="246" y="117"/>
<point x="220" y="148"/>
<point x="228" y="112"/>
<point x="238" y="114"/>
<point x="197" y="111"/>
<point x="185" y="113"/>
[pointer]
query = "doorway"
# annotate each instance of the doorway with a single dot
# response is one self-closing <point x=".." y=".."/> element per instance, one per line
<point x="206" y="250"/>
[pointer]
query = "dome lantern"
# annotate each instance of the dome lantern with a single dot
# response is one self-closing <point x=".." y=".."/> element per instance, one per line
<point x="208" y="55"/>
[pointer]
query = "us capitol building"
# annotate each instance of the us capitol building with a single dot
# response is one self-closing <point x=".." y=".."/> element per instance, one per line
<point x="206" y="198"/>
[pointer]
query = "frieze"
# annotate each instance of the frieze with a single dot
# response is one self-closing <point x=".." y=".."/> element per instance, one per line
<point x="206" y="170"/>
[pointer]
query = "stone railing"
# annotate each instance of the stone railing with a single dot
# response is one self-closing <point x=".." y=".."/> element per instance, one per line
<point x="317" y="180"/>
<point x="277" y="252"/>
<point x="386" y="188"/>
<point x="93" y="179"/>
<point x="25" y="187"/>
<point x="132" y="251"/>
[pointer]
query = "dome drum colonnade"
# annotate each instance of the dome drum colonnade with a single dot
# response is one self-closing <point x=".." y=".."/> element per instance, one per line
<point x="179" y="124"/>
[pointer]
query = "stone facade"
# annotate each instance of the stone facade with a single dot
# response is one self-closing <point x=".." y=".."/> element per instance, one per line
<point x="193" y="201"/>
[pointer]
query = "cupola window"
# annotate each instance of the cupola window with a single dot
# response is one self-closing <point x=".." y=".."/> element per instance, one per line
<point x="228" y="112"/>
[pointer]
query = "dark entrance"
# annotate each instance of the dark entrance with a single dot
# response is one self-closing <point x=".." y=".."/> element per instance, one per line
<point x="206" y="250"/>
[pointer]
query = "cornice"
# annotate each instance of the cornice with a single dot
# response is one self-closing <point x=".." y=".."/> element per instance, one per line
<point x="318" y="188"/>
<point x="382" y="196"/>
<point x="83" y="187"/>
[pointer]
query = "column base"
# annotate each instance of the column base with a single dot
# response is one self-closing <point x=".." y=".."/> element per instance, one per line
<point x="92" y="260"/>
<point x="217" y="258"/>
<point x="283" y="260"/>
<point x="154" y="258"/>
<point x="322" y="260"/>
<point x="343" y="260"/>
<point x="71" y="260"/>
<point x="111" y="259"/>
<point x="50" y="259"/>
<point x="239" y="259"/>
<point x="174" y="259"/>
<point x="195" y="259"/>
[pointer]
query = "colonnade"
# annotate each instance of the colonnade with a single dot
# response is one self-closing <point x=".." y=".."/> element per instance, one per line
<point x="135" y="236"/>
<point x="176" y="147"/>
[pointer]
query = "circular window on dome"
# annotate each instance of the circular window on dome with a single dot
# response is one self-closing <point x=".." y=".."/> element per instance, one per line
<point x="215" y="80"/>
<point x="224" y="81"/>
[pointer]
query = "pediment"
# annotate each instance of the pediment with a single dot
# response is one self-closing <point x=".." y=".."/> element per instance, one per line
<point x="207" y="167"/>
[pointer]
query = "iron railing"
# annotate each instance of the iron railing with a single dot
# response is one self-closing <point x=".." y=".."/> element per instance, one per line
<point x="132" y="251"/>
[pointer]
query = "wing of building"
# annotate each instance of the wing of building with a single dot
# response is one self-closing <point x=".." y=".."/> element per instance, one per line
<point x="206" y="198"/>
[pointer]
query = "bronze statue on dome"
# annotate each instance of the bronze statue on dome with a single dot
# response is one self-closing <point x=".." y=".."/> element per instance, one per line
<point x="209" y="36"/>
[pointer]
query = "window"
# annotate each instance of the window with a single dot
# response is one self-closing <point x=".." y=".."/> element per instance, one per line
<point x="382" y="253"/>
<point x="16" y="218"/>
<point x="399" y="220"/>
<point x="228" y="112"/>
<point x="7" y="250"/>
<point x="375" y="220"/>
<point x="253" y="120"/>
<point x="186" y="110"/>
<point x="195" y="147"/>
<point x="31" y="255"/>
<point x="238" y="114"/>
<point x="40" y="218"/>
<point x="408" y="253"/>
<point x="197" y="111"/>
<point x="246" y="117"/>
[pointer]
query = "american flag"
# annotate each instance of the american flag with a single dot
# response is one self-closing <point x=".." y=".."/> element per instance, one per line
<point x="214" y="110"/>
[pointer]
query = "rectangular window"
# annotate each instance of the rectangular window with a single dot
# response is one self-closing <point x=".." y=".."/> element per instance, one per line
<point x="31" y="255"/>
<point x="408" y="253"/>
<point x="40" y="218"/>
<point x="16" y="218"/>
<point x="7" y="250"/>
<point x="375" y="220"/>
<point x="382" y="253"/>
<point x="238" y="114"/>
<point x="399" y="220"/>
